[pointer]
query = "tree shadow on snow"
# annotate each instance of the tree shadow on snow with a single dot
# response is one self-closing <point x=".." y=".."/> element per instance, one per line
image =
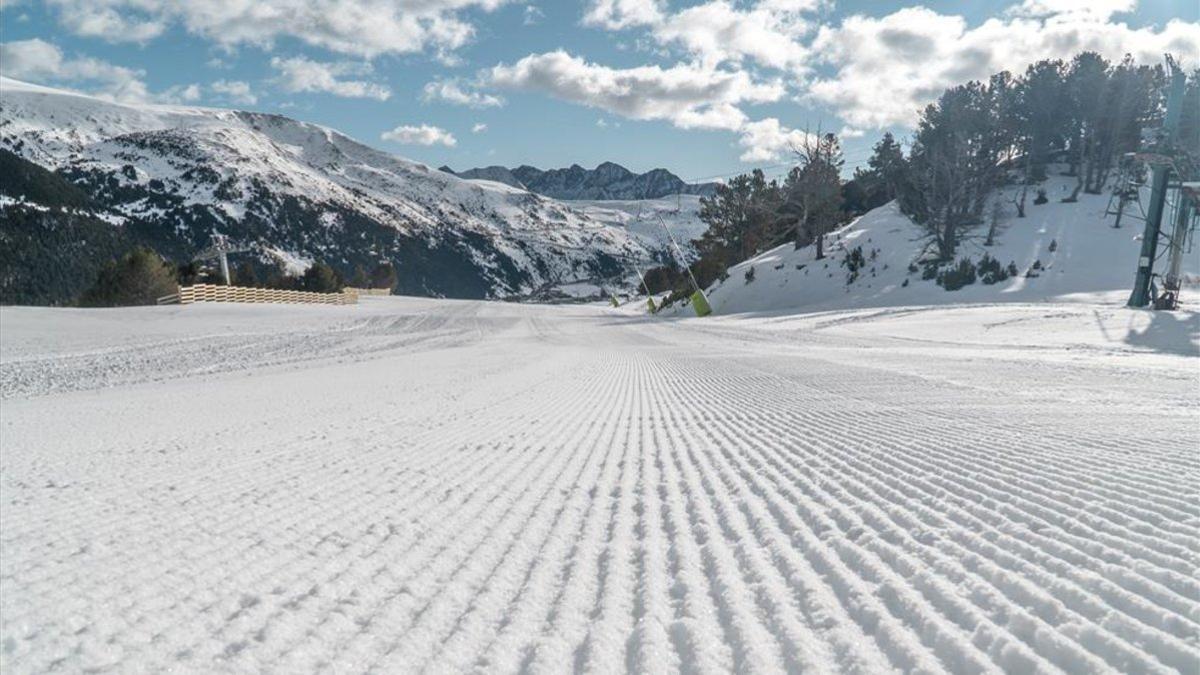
<point x="1169" y="332"/>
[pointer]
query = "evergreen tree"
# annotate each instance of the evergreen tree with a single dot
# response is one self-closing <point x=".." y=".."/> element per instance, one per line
<point x="321" y="278"/>
<point x="812" y="191"/>
<point x="740" y="218"/>
<point x="140" y="277"/>
<point x="246" y="275"/>
<point x="383" y="275"/>
<point x="887" y="163"/>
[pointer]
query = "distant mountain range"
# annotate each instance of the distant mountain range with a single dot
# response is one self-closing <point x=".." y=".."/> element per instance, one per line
<point x="84" y="179"/>
<point x="607" y="181"/>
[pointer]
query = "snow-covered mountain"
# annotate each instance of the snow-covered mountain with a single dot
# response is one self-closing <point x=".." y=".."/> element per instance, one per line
<point x="175" y="174"/>
<point x="607" y="181"/>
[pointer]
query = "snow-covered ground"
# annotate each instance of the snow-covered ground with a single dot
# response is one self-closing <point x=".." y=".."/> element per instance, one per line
<point x="415" y="484"/>
<point x="1063" y="252"/>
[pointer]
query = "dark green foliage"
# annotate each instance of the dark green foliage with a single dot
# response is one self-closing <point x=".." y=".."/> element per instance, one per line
<point x="50" y="257"/>
<point x="1041" y="197"/>
<point x="750" y="275"/>
<point x="140" y="277"/>
<point x="246" y="275"/>
<point x="1053" y="245"/>
<point x="957" y="276"/>
<point x="321" y="278"/>
<point x="383" y="275"/>
<point x="990" y="271"/>
<point x="663" y="279"/>
<point x="853" y="262"/>
<point x="812" y="195"/>
<point x="22" y="179"/>
<point x="742" y="217"/>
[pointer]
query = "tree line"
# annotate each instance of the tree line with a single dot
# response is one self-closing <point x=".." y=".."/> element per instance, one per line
<point x="1083" y="115"/>
<point x="141" y="276"/>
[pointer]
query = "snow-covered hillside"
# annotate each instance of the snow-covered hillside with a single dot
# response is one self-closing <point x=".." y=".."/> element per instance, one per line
<point x="307" y="190"/>
<point x="641" y="218"/>
<point x="1061" y="251"/>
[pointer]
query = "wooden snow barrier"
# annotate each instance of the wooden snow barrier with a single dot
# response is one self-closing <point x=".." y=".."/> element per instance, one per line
<point x="350" y="290"/>
<point x="186" y="295"/>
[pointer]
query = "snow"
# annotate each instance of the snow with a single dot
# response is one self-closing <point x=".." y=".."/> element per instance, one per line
<point x="411" y="484"/>
<point x="318" y="166"/>
<point x="646" y="218"/>
<point x="1091" y="262"/>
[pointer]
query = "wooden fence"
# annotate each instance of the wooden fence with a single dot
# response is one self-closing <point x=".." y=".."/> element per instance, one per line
<point x="350" y="290"/>
<point x="218" y="293"/>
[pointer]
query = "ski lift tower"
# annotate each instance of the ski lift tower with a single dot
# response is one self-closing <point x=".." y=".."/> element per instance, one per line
<point x="1160" y="159"/>
<point x="219" y="249"/>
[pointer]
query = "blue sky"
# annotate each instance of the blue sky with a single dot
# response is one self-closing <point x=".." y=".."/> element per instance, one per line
<point x="704" y="88"/>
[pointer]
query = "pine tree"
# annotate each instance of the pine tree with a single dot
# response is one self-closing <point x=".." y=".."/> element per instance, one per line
<point x="246" y="275"/>
<point x="740" y="218"/>
<point x="383" y="275"/>
<point x="321" y="278"/>
<point x="812" y="191"/>
<point x="888" y="163"/>
<point x="140" y="277"/>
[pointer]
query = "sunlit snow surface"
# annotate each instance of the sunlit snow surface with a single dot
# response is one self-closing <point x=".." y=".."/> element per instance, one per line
<point x="415" y="484"/>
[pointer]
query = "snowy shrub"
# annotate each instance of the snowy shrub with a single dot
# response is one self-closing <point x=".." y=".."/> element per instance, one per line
<point x="750" y="275"/>
<point x="954" y="278"/>
<point x="1053" y="245"/>
<point x="990" y="271"/>
<point x="1040" y="198"/>
<point x="854" y="260"/>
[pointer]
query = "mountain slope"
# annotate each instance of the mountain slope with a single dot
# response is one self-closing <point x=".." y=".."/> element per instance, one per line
<point x="178" y="173"/>
<point x="607" y="181"/>
<point x="1061" y="252"/>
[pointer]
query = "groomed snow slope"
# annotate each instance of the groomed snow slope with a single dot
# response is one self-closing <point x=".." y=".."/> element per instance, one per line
<point x="1091" y="261"/>
<point x="452" y="486"/>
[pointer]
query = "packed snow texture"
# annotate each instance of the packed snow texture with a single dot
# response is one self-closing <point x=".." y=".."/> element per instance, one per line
<point x="1064" y="252"/>
<point x="406" y="485"/>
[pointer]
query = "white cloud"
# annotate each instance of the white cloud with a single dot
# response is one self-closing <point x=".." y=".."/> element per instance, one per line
<point x="533" y="15"/>
<point x="234" y="90"/>
<point x="300" y="74"/>
<point x="42" y="61"/>
<point x="717" y="32"/>
<point x="180" y="93"/>
<point x="689" y="96"/>
<point x="890" y="67"/>
<point x="767" y="140"/>
<point x="479" y="128"/>
<point x="420" y="135"/>
<point x="618" y="14"/>
<point x="1098" y="9"/>
<point x="451" y="91"/>
<point x="360" y="27"/>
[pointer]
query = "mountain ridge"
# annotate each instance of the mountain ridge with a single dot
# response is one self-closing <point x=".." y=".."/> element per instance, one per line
<point x="175" y="174"/>
<point x="608" y="181"/>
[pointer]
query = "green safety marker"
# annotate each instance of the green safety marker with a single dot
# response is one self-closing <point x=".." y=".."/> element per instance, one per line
<point x="701" y="304"/>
